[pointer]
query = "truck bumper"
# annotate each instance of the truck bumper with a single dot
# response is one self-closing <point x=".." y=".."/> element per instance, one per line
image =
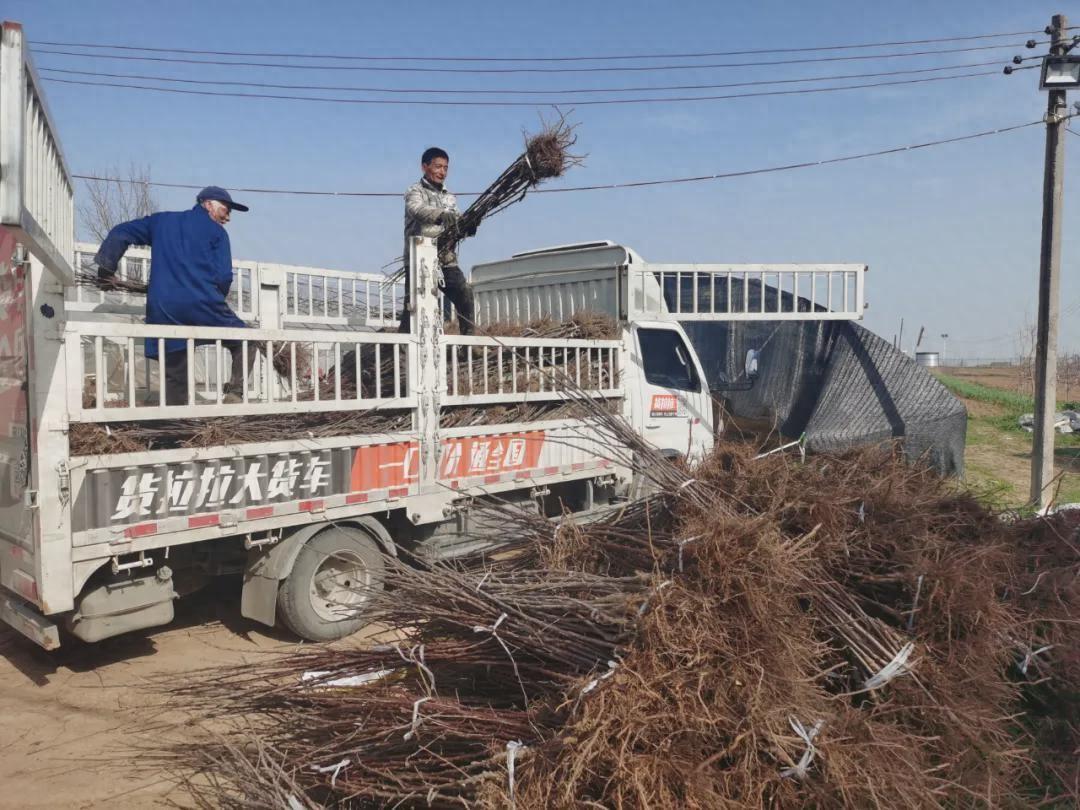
<point x="29" y="622"/>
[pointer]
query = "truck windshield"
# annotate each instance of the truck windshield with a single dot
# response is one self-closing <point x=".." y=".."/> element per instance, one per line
<point x="667" y="360"/>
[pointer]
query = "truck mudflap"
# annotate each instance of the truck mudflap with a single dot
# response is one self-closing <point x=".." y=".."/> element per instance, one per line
<point x="29" y="622"/>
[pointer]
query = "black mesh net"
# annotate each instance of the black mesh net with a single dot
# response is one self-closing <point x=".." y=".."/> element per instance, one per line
<point x="835" y="381"/>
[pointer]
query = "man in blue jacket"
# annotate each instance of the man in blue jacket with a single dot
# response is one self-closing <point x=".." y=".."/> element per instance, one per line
<point x="190" y="277"/>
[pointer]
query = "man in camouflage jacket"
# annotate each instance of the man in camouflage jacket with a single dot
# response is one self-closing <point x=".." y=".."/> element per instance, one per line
<point x="429" y="210"/>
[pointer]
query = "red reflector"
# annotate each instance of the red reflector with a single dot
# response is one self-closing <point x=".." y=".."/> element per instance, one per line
<point x="141" y="530"/>
<point x="311" y="506"/>
<point x="551" y="470"/>
<point x="259" y="512"/>
<point x="356" y="497"/>
<point x="491" y="479"/>
<point x="203" y="520"/>
<point x="400" y="492"/>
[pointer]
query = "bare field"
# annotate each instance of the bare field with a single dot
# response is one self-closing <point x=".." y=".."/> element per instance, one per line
<point x="999" y="460"/>
<point x="1008" y="378"/>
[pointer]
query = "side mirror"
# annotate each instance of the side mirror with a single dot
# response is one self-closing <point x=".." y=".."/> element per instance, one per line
<point x="750" y="367"/>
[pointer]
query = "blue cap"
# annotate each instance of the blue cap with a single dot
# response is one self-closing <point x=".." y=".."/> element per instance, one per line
<point x="221" y="195"/>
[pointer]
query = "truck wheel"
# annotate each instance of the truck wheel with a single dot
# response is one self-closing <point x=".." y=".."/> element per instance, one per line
<point x="323" y="597"/>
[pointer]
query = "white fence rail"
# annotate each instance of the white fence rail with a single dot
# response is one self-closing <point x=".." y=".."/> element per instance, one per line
<point x="483" y="370"/>
<point x="110" y="379"/>
<point x="36" y="194"/>
<point x="308" y="296"/>
<point x="748" y="292"/>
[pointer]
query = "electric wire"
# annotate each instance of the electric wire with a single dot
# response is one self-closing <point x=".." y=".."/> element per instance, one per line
<point x="577" y="103"/>
<point x="518" y="70"/>
<point x="609" y="186"/>
<point x="556" y="91"/>
<point x="578" y="58"/>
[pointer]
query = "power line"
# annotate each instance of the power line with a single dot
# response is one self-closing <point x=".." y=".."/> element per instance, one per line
<point x="750" y="52"/>
<point x="619" y="69"/>
<point x="609" y="186"/>
<point x="581" y="103"/>
<point x="559" y="91"/>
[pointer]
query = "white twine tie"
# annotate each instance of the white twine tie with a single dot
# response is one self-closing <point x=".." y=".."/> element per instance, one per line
<point x="1025" y="662"/>
<point x="512" y="748"/>
<point x="897" y="666"/>
<point x="596" y="681"/>
<point x="493" y="629"/>
<point x="645" y="605"/>
<point x="683" y="543"/>
<point x="334" y="770"/>
<point x="416" y="656"/>
<point x="799" y="770"/>
<point x="415" y="717"/>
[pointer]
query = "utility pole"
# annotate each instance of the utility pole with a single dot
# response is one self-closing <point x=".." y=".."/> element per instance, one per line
<point x="1042" y="449"/>
<point x="944" y="337"/>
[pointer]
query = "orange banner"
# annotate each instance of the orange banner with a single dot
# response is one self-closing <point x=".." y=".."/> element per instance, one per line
<point x="490" y="455"/>
<point x="385" y="466"/>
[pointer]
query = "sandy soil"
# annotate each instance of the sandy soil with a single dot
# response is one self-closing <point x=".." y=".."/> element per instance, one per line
<point x="70" y="720"/>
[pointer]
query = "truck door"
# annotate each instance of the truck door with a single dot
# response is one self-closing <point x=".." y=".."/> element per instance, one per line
<point x="14" y="435"/>
<point x="671" y="393"/>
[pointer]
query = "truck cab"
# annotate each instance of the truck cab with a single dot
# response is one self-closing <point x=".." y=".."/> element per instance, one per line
<point x="669" y="399"/>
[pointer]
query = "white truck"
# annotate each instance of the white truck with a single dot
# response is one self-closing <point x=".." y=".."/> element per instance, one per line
<point x="102" y="543"/>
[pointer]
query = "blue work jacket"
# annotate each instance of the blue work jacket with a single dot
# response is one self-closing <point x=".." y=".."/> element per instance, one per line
<point x="190" y="269"/>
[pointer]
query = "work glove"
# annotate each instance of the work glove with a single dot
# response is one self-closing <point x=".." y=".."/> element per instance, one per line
<point x="449" y="218"/>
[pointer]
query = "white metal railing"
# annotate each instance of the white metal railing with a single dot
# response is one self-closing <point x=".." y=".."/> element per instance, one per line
<point x="748" y="292"/>
<point x="36" y="194"/>
<point x="310" y="296"/>
<point x="482" y="370"/>
<point x="135" y="266"/>
<point x="337" y="297"/>
<point x="109" y="378"/>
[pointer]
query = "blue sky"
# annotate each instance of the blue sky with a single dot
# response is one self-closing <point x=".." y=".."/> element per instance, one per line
<point x="951" y="234"/>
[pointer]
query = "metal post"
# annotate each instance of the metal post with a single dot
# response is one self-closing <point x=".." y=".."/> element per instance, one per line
<point x="1042" y="449"/>
<point x="426" y="351"/>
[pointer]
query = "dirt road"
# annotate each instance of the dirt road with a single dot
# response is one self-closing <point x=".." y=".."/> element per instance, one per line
<point x="69" y="720"/>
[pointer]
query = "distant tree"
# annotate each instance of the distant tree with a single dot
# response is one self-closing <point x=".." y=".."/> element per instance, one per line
<point x="1068" y="376"/>
<point x="122" y="196"/>
<point x="1025" y="378"/>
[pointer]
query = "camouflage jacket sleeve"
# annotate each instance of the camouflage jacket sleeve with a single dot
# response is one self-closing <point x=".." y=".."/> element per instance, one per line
<point x="419" y="208"/>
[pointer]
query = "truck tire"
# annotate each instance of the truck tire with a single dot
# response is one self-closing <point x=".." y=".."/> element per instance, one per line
<point x="323" y="596"/>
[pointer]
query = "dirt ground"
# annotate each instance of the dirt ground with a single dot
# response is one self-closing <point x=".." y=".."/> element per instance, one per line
<point x="71" y="720"/>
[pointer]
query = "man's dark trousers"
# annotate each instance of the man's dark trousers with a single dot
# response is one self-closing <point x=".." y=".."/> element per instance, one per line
<point x="176" y="369"/>
<point x="456" y="290"/>
<point x="176" y="372"/>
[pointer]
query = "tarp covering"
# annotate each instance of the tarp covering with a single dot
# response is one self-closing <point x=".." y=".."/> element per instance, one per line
<point x="836" y="381"/>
